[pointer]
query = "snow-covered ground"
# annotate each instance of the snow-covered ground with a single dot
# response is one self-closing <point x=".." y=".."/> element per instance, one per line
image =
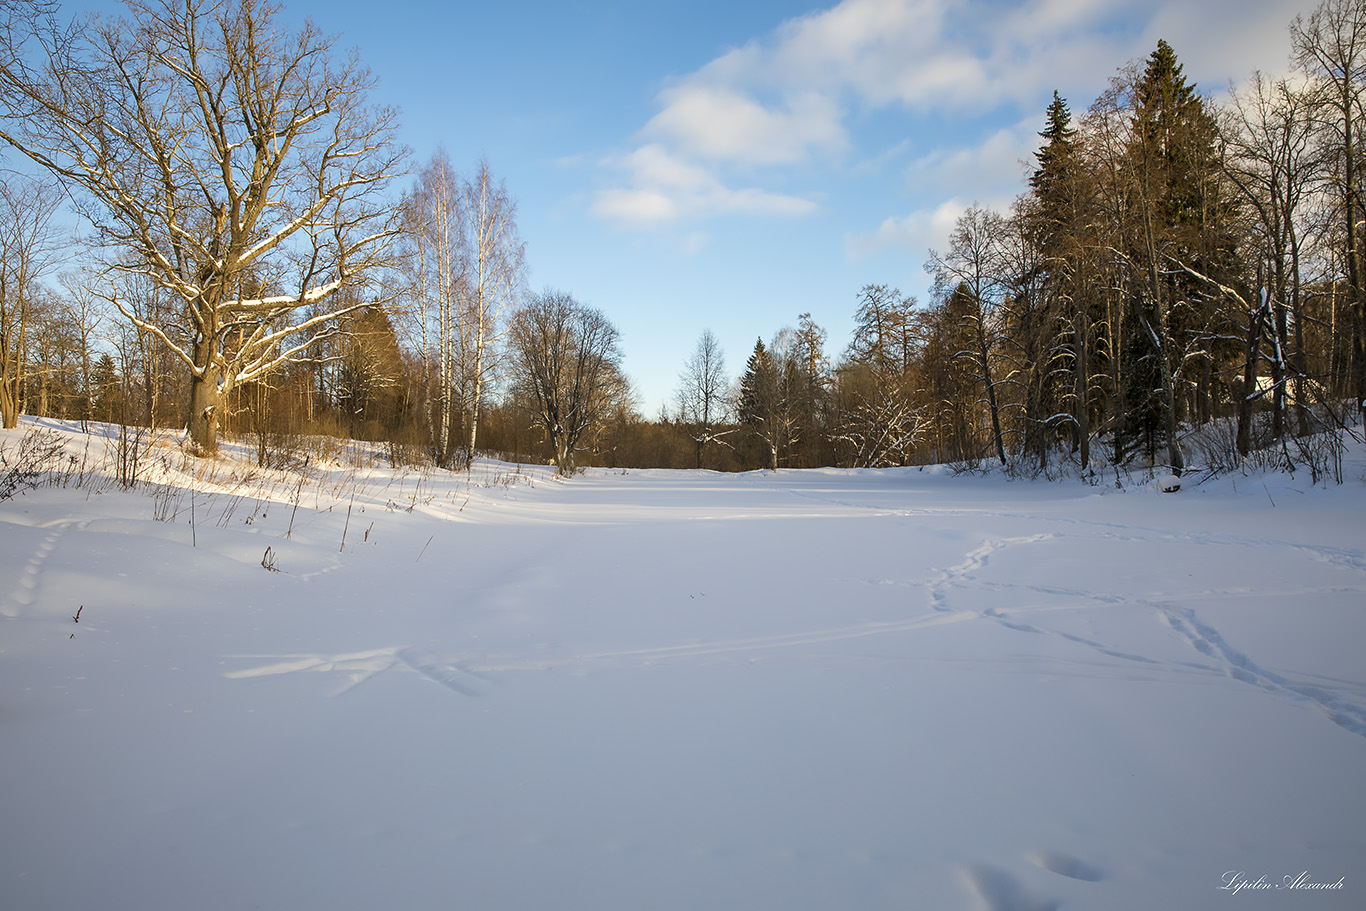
<point x="680" y="690"/>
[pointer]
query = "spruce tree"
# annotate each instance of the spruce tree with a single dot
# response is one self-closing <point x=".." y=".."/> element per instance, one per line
<point x="1182" y="219"/>
<point x="756" y="384"/>
<point x="1057" y="164"/>
<point x="761" y="401"/>
<point x="1062" y="225"/>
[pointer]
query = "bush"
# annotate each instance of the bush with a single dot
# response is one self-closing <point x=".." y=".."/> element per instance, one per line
<point x="22" y="467"/>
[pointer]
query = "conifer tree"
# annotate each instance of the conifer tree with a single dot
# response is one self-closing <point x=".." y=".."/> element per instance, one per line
<point x="761" y="401"/>
<point x="1060" y="224"/>
<point x="1182" y="218"/>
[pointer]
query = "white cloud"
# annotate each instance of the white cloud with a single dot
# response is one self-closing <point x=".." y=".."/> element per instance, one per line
<point x="914" y="233"/>
<point x="665" y="188"/>
<point x="721" y="123"/>
<point x="997" y="166"/>
<point x="635" y="206"/>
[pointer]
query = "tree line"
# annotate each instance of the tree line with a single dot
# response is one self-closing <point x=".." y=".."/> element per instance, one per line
<point x="254" y="264"/>
<point x="1172" y="263"/>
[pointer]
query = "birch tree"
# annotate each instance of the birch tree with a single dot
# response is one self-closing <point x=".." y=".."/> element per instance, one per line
<point x="703" y="392"/>
<point x="435" y="263"/>
<point x="234" y="163"/>
<point x="493" y="279"/>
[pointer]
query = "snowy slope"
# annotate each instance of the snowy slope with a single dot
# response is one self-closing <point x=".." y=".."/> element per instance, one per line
<point x="679" y="690"/>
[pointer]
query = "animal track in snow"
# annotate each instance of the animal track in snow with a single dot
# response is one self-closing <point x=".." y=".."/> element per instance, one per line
<point x="1000" y="891"/>
<point x="975" y="561"/>
<point x="1066" y="865"/>
<point x="25" y="592"/>
<point x="1206" y="640"/>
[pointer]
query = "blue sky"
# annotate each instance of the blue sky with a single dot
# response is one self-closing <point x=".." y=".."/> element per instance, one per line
<point x="731" y="165"/>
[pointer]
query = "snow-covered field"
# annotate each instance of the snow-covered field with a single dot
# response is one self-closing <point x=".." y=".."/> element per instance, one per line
<point x="680" y="690"/>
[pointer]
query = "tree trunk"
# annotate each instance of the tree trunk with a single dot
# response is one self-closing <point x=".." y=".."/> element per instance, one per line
<point x="1175" y="460"/>
<point x="1297" y="317"/>
<point x="1254" y="337"/>
<point x="1354" y="277"/>
<point x="564" y="457"/>
<point x="1280" y="336"/>
<point x="9" y="412"/>
<point x="1359" y="353"/>
<point x="1080" y="381"/>
<point x="475" y="395"/>
<point x="993" y="406"/>
<point x="202" y="422"/>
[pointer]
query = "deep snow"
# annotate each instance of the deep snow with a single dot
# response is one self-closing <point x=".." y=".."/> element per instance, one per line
<point x="825" y="689"/>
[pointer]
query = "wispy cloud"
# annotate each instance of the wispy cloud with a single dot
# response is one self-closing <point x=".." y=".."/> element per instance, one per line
<point x="997" y="165"/>
<point x="913" y="233"/>
<point x="664" y="187"/>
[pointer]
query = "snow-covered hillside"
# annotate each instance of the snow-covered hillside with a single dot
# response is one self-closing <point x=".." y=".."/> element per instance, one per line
<point x="675" y="690"/>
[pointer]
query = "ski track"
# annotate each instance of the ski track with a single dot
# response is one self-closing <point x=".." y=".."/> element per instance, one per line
<point x="360" y="667"/>
<point x="464" y="675"/>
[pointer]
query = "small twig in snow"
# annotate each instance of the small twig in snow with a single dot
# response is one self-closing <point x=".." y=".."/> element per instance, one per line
<point x="342" y="549"/>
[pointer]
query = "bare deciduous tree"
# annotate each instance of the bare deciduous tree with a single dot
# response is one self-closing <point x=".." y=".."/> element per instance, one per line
<point x="233" y="163"/>
<point x="566" y="366"/>
<point x="1330" y="47"/>
<point x="465" y="265"/>
<point x="434" y="263"/>
<point x="493" y="280"/>
<point x="972" y="267"/>
<point x="29" y="245"/>
<point x="1269" y="160"/>
<point x="703" y="393"/>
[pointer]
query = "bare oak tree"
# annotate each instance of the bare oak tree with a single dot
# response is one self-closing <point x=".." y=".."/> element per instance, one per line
<point x="566" y="366"/>
<point x="234" y="163"/>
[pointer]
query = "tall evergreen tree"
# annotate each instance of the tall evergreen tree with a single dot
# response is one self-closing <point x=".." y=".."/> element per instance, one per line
<point x="1061" y="224"/>
<point x="1052" y="180"/>
<point x="762" y="404"/>
<point x="1182" y="218"/>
